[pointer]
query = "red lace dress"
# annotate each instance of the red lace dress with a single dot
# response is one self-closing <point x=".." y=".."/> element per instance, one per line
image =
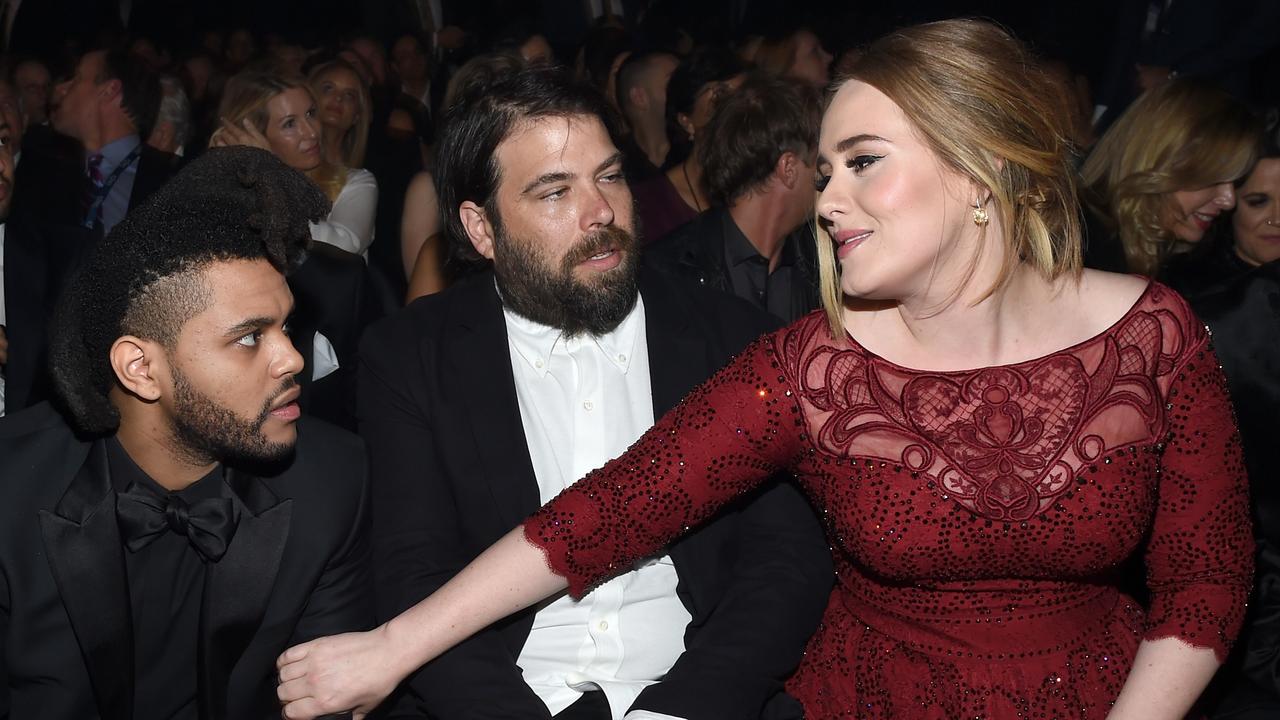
<point x="978" y="518"/>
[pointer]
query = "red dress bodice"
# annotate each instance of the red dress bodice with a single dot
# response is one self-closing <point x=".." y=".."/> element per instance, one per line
<point x="980" y="520"/>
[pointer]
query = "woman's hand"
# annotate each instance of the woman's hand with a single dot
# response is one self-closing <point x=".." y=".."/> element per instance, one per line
<point x="350" y="672"/>
<point x="243" y="134"/>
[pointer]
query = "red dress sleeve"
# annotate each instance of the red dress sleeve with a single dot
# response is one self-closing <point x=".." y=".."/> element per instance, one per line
<point x="1200" y="557"/>
<point x="725" y="438"/>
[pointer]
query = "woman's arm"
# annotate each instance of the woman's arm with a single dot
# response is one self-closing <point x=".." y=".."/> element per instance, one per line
<point x="349" y="225"/>
<point x="1200" y="555"/>
<point x="1168" y="676"/>
<point x="428" y="271"/>
<point x="720" y="442"/>
<point x="419" y="221"/>
<point x="357" y="670"/>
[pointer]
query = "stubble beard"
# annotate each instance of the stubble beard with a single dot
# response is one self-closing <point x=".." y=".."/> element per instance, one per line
<point x="207" y="431"/>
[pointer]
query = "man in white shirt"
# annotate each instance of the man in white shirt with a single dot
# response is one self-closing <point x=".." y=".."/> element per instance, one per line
<point x="483" y="402"/>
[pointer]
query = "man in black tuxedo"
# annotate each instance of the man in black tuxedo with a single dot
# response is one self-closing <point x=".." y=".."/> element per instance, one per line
<point x="178" y="524"/>
<point x="480" y="403"/>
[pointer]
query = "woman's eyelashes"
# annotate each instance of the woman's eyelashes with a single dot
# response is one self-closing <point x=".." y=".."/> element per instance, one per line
<point x="858" y="163"/>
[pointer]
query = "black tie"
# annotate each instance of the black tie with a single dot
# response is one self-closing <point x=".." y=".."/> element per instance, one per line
<point x="208" y="524"/>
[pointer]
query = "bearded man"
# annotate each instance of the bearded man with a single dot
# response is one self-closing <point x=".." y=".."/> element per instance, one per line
<point x="178" y="524"/>
<point x="480" y="403"/>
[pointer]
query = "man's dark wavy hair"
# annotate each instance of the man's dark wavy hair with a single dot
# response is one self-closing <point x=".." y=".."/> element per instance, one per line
<point x="144" y="278"/>
<point x="751" y="129"/>
<point x="482" y="115"/>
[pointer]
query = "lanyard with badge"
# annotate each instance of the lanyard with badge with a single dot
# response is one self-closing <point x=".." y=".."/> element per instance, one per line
<point x="101" y="192"/>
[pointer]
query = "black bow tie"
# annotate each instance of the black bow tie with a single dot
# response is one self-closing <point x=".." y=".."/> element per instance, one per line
<point x="208" y="524"/>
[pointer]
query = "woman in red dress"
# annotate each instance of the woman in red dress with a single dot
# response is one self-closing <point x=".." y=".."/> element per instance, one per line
<point x="989" y="432"/>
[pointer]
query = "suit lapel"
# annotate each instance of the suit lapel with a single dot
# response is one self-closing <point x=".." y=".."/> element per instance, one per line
<point x="486" y="392"/>
<point x="82" y="542"/>
<point x="677" y="354"/>
<point x="238" y="586"/>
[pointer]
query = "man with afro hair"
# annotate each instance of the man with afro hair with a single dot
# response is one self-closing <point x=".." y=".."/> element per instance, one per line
<point x="174" y="524"/>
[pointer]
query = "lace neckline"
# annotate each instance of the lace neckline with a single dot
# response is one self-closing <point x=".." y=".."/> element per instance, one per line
<point x="1109" y="330"/>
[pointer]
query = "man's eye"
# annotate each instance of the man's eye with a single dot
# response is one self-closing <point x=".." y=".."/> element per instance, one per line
<point x="555" y="194"/>
<point x="250" y="340"/>
<point x="613" y="177"/>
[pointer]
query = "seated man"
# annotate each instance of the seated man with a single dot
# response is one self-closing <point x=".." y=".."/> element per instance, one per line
<point x="758" y="165"/>
<point x="486" y="400"/>
<point x="164" y="539"/>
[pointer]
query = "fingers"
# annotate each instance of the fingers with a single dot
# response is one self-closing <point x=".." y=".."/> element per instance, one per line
<point x="293" y="655"/>
<point x="295" y="690"/>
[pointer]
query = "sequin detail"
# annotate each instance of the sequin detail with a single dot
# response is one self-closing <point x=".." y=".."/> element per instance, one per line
<point x="978" y="519"/>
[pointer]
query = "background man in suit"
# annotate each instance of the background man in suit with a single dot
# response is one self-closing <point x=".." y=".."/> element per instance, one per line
<point x="758" y="166"/>
<point x="181" y="525"/>
<point x="109" y="105"/>
<point x="484" y="401"/>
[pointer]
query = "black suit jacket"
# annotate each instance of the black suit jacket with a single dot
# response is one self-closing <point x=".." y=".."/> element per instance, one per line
<point x="296" y="569"/>
<point x="29" y="291"/>
<point x="696" y="251"/>
<point x="452" y="474"/>
<point x="333" y="295"/>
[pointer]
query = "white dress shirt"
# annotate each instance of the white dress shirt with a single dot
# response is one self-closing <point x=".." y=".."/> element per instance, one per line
<point x="349" y="225"/>
<point x="583" y="401"/>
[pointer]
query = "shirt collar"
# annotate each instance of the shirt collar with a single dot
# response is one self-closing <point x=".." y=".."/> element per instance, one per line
<point x="114" y="152"/>
<point x="535" y="342"/>
<point x="738" y="249"/>
<point x="124" y="473"/>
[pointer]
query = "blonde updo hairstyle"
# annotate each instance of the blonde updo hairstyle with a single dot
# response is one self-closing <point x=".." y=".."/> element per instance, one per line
<point x="246" y="96"/>
<point x="982" y="104"/>
<point x="1183" y="135"/>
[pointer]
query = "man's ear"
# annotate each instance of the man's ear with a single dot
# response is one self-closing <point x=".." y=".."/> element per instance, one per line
<point x="639" y="98"/>
<point x="110" y="90"/>
<point x="479" y="230"/>
<point x="685" y="122"/>
<point x="787" y="169"/>
<point x="139" y="366"/>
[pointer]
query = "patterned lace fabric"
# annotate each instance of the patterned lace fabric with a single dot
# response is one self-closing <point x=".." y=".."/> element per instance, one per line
<point x="980" y="520"/>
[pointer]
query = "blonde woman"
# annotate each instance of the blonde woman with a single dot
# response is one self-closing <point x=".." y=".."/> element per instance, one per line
<point x="989" y="431"/>
<point x="279" y="114"/>
<point x="1163" y="174"/>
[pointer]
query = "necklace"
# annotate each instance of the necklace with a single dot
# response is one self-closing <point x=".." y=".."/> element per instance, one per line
<point x="684" y="168"/>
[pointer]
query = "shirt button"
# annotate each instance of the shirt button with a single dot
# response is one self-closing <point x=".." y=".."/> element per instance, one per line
<point x="588" y="406"/>
<point x="537" y="364"/>
<point x="622" y="358"/>
<point x="604" y="625"/>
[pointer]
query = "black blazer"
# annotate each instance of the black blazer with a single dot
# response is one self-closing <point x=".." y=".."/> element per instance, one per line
<point x="695" y="251"/>
<point x="296" y="569"/>
<point x="31" y="285"/>
<point x="333" y="295"/>
<point x="452" y="474"/>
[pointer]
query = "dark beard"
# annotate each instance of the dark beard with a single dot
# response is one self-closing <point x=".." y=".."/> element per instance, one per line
<point x="535" y="290"/>
<point x="209" y="432"/>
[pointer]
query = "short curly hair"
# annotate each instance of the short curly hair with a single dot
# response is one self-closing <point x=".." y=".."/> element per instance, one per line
<point x="144" y="278"/>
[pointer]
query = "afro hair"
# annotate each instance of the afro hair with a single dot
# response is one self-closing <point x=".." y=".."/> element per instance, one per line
<point x="234" y="203"/>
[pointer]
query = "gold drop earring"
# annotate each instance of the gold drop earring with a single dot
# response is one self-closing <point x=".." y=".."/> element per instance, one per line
<point x="980" y="217"/>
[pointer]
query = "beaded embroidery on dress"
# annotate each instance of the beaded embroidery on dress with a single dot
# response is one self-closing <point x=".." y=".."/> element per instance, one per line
<point x="980" y="520"/>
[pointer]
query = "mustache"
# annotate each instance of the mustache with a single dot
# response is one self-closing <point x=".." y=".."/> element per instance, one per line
<point x="604" y="240"/>
<point x="286" y="385"/>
